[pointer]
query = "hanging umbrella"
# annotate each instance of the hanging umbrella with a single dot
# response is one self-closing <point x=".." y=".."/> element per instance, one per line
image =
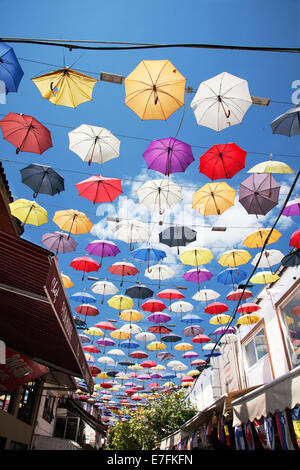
<point x="25" y="133"/>
<point x="156" y="346"/>
<point x="221" y="101"/>
<point x="83" y="298"/>
<point x="234" y="258"/>
<point x="239" y="294"/>
<point x="11" y="72"/>
<point x="269" y="258"/>
<point x="198" y="362"/>
<point x="193" y="330"/>
<point x="121" y="268"/>
<point x="259" y="193"/>
<point x="170" y="294"/>
<point x="159" y="317"/>
<point x="183" y="347"/>
<point x="159" y="195"/>
<point x="67" y="282"/>
<point x="42" y="179"/>
<point x="154" y="89"/>
<point x="145" y="337"/>
<point x="104" y="288"/>
<point x="205" y="295"/>
<point x="138" y="355"/>
<point x="190" y="354"/>
<point x="153" y="305"/>
<point x="258" y="238"/>
<point x="197" y="275"/>
<point x="213" y="198"/>
<point x="116" y="352"/>
<point x="231" y="276"/>
<point x="181" y="307"/>
<point x="120" y="302"/>
<point x="94" y="144"/>
<point x="100" y="189"/>
<point x="177" y="236"/>
<point x="224" y="330"/>
<point x="65" y="87"/>
<point x="72" y="221"/>
<point x="201" y="339"/>
<point x="106" y="325"/>
<point x="292" y="208"/>
<point x="164" y="356"/>
<point x="222" y="161"/>
<point x="292" y="259"/>
<point x="248" y="307"/>
<point x="191" y="318"/>
<point x="264" y="277"/>
<point x="85" y="264"/>
<point x="160" y="329"/>
<point x="91" y="348"/>
<point x="220" y="319"/>
<point x="171" y="338"/>
<point x="139" y="292"/>
<point x="28" y="212"/>
<point x="168" y="156"/>
<point x="147" y="253"/>
<point x="117" y="334"/>
<point x="105" y="341"/>
<point x="129" y="344"/>
<point x="87" y="310"/>
<point x="196" y="256"/>
<point x="102" y="248"/>
<point x="287" y="123"/>
<point x="271" y="166"/>
<point x="84" y="339"/>
<point x="93" y="331"/>
<point x="248" y="319"/>
<point x="295" y="239"/>
<point x="160" y="272"/>
<point x="59" y="242"/>
<point x="130" y="231"/>
<point x="130" y="315"/>
<point x="131" y="328"/>
<point x="215" y="308"/>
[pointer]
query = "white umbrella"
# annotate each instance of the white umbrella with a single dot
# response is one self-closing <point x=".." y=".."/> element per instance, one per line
<point x="179" y="367"/>
<point x="221" y="101"/>
<point x="175" y="363"/>
<point x="116" y="352"/>
<point x="228" y="338"/>
<point x="205" y="295"/>
<point x="144" y="336"/>
<point x="89" y="357"/>
<point x="130" y="231"/>
<point x="210" y="346"/>
<point x="181" y="307"/>
<point x="159" y="195"/>
<point x="94" y="144"/>
<point x="130" y="328"/>
<point x="268" y="259"/>
<point x="104" y="288"/>
<point x="106" y="360"/>
<point x="160" y="272"/>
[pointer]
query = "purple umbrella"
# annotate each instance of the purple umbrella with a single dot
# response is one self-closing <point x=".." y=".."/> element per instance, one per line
<point x="143" y="377"/>
<point x="224" y="329"/>
<point x="156" y="376"/>
<point x="190" y="355"/>
<point x="292" y="208"/>
<point x="59" y="242"/>
<point x="193" y="330"/>
<point x="159" y="317"/>
<point x="84" y="339"/>
<point x="197" y="275"/>
<point x="168" y="155"/>
<point x="105" y="341"/>
<point x="259" y="193"/>
<point x="102" y="248"/>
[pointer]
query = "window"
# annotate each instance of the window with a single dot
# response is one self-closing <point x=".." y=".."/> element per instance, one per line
<point x="67" y="428"/>
<point x="7" y="401"/>
<point x="48" y="408"/>
<point x="256" y="348"/>
<point x="28" y="401"/>
<point x="290" y="314"/>
<point x="17" y="446"/>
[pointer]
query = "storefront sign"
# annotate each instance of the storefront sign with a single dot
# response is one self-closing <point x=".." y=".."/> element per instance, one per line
<point x="18" y="370"/>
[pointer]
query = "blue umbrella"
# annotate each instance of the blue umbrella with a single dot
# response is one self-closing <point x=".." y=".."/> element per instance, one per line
<point x="169" y="375"/>
<point x="191" y="318"/>
<point x="42" y="179"/>
<point x="83" y="298"/>
<point x="10" y="69"/>
<point x="287" y="123"/>
<point x="129" y="344"/>
<point x="147" y="253"/>
<point x="231" y="276"/>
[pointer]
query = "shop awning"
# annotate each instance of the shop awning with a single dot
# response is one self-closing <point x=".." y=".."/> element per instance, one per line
<point x="282" y="393"/>
<point x="95" y="423"/>
<point x="36" y="317"/>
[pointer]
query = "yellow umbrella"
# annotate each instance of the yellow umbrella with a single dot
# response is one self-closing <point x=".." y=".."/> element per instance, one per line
<point x="154" y="89"/>
<point x="193" y="372"/>
<point x="264" y="277"/>
<point x="94" y="331"/>
<point x="66" y="281"/>
<point x="220" y="319"/>
<point x="156" y="346"/>
<point x="97" y="387"/>
<point x="103" y="375"/>
<point x="72" y="221"/>
<point x="186" y="384"/>
<point x="196" y="256"/>
<point x="117" y="334"/>
<point x="271" y="166"/>
<point x="120" y="302"/>
<point x="169" y="384"/>
<point x="28" y="212"/>
<point x="65" y="87"/>
<point x="136" y="367"/>
<point x="130" y="315"/>
<point x="213" y="198"/>
<point x="248" y="319"/>
<point x="234" y="258"/>
<point x="183" y="347"/>
<point x="257" y="239"/>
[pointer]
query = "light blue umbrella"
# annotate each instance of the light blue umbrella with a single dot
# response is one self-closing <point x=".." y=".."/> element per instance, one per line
<point x="83" y="298"/>
<point x="147" y="253"/>
<point x="231" y="276"/>
<point x="191" y="318"/>
<point x="288" y="123"/>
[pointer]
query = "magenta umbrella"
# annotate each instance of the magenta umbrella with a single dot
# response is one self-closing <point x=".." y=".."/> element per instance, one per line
<point x="292" y="208"/>
<point x="102" y="248"/>
<point x="197" y="275"/>
<point x="159" y="317"/>
<point x="168" y="155"/>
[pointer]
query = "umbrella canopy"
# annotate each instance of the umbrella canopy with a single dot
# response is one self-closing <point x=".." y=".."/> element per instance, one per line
<point x="170" y="294"/>
<point x="93" y="331"/>
<point x="120" y="302"/>
<point x="215" y="308"/>
<point x="258" y="238"/>
<point x="264" y="277"/>
<point x="190" y="355"/>
<point x="222" y="161"/>
<point x="102" y="248"/>
<point x="197" y="275"/>
<point x="94" y="144"/>
<point x="248" y="307"/>
<point x="87" y="310"/>
<point x="193" y="330"/>
<point x="201" y="339"/>
<point x="292" y="259"/>
<point x="144" y="336"/>
<point x="160" y="329"/>
<point x="28" y="212"/>
<point x="116" y="352"/>
<point x="154" y="89"/>
<point x="183" y="347"/>
<point x="42" y="179"/>
<point x="177" y="236"/>
<point x="159" y="317"/>
<point x="121" y="268"/>
<point x="168" y="156"/>
<point x="105" y="341"/>
<point x="259" y="193"/>
<point x="83" y="298"/>
<point x="224" y="329"/>
<point x="130" y="231"/>
<point x="159" y="195"/>
<point x="67" y="281"/>
<point x="153" y="305"/>
<point x="65" y="87"/>
<point x="129" y="344"/>
<point x="84" y="338"/>
<point x="229" y="338"/>
<point x="205" y="295"/>
<point x="170" y="338"/>
<point x="295" y="239"/>
<point x="220" y="319"/>
<point x="287" y="123"/>
<point x="105" y="325"/>
<point x="59" y="242"/>
<point x="25" y="133"/>
<point x="221" y="101"/>
<point x="91" y="348"/>
<point x="213" y="198"/>
<point x="269" y="258"/>
<point x="164" y="356"/>
<point x="100" y="189"/>
<point x="72" y="221"/>
<point x="117" y="334"/>
<point x="160" y="272"/>
<point x="131" y="328"/>
<point x="139" y="292"/>
<point x="239" y="294"/>
<point x="231" y="276"/>
<point x="271" y="166"/>
<point x="195" y="256"/>
<point x="147" y="253"/>
<point x="234" y="258"/>
<point x="248" y="319"/>
<point x="104" y="288"/>
<point x="191" y="318"/>
<point x="138" y="355"/>
<point x="85" y="264"/>
<point x="130" y="315"/>
<point x="292" y="208"/>
<point x="181" y="307"/>
<point x="156" y="346"/>
<point x="11" y="72"/>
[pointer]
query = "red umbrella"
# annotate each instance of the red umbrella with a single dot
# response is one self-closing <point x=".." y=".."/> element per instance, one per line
<point x="187" y="378"/>
<point x="91" y="349"/>
<point x="295" y="239"/>
<point x="87" y="309"/>
<point x="215" y="308"/>
<point x="106" y="384"/>
<point x="123" y="269"/>
<point x="153" y="305"/>
<point x="239" y="294"/>
<point x="148" y="364"/>
<point x="248" y="308"/>
<point x="139" y="355"/>
<point x="170" y="294"/>
<point x="159" y="329"/>
<point x="198" y="362"/>
<point x="201" y="339"/>
<point x="99" y="188"/>
<point x="94" y="370"/>
<point x="105" y="325"/>
<point x="85" y="264"/>
<point x="25" y="133"/>
<point x="222" y="161"/>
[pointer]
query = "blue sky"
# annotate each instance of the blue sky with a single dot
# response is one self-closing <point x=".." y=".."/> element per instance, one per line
<point x="268" y="23"/>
